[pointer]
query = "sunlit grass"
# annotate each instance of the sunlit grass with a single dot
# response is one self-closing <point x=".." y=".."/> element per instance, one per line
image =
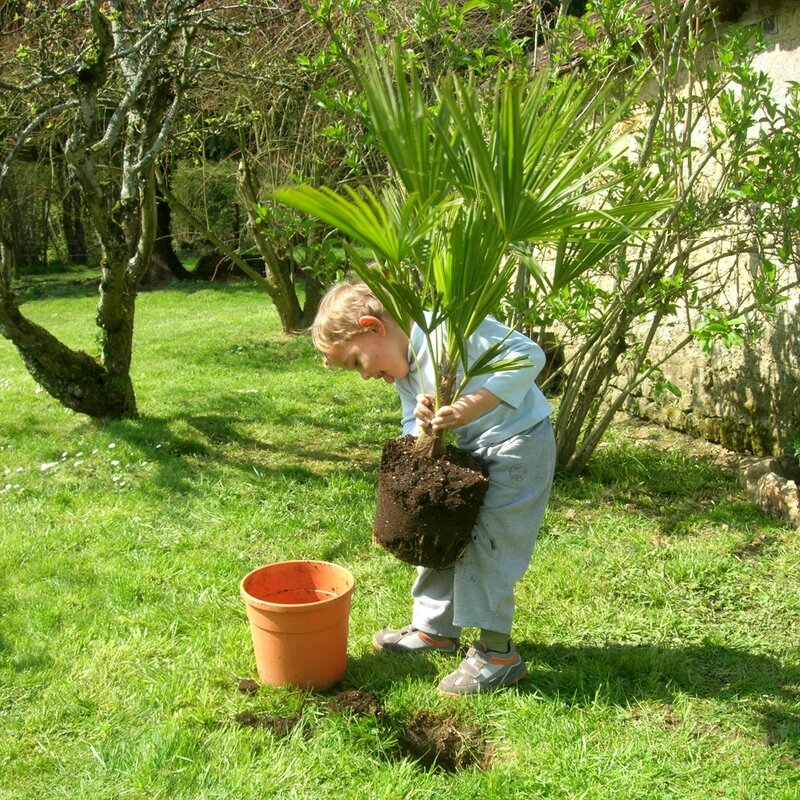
<point x="658" y="619"/>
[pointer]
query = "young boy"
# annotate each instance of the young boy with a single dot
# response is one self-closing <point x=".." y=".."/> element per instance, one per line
<point x="502" y="417"/>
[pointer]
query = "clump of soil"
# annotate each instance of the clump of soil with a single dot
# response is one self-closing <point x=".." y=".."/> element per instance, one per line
<point x="426" y="507"/>
<point x="358" y="703"/>
<point x="438" y="741"/>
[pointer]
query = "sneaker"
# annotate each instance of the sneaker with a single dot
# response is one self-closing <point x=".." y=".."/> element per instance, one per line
<point x="484" y="670"/>
<point x="413" y="640"/>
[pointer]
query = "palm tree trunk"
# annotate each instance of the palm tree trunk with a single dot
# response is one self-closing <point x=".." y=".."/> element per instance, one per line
<point x="430" y="443"/>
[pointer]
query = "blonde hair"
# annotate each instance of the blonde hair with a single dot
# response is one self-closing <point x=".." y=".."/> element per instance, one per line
<point x="339" y="311"/>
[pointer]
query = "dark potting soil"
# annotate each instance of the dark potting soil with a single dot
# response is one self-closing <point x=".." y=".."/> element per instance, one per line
<point x="426" y="507"/>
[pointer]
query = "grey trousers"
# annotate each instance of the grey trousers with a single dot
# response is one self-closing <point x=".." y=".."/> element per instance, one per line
<point x="478" y="591"/>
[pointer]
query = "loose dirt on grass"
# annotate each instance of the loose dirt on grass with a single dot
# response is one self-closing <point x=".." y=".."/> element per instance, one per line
<point x="432" y="740"/>
<point x="444" y="742"/>
<point x="358" y="703"/>
<point x="278" y="726"/>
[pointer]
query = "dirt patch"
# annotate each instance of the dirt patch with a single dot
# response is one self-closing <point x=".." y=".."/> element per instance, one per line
<point x="436" y="741"/>
<point x="433" y="741"/>
<point x="426" y="508"/>
<point x="358" y="703"/>
<point x="278" y="726"/>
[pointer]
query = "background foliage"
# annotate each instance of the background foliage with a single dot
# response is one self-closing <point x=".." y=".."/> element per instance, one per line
<point x="271" y="99"/>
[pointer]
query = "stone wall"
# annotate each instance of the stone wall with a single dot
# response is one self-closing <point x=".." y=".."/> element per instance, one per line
<point x="747" y="399"/>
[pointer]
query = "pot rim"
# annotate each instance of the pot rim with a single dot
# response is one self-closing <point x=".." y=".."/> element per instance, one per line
<point x="267" y="605"/>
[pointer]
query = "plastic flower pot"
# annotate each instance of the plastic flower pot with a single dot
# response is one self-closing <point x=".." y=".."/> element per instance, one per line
<point x="299" y="614"/>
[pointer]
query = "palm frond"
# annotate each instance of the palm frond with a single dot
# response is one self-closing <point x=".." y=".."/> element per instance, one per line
<point x="405" y="126"/>
<point x="362" y="218"/>
<point x="475" y="185"/>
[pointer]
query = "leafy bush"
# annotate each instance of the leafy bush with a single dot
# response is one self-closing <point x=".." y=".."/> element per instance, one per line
<point x="724" y="260"/>
<point x="208" y="190"/>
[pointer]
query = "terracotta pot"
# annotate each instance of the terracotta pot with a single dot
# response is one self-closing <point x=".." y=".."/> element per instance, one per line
<point x="299" y="613"/>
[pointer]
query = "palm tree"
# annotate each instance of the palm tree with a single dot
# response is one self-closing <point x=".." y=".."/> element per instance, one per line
<point x="473" y="186"/>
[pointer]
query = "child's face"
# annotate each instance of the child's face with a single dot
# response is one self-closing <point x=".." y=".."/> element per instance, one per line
<point x="381" y="351"/>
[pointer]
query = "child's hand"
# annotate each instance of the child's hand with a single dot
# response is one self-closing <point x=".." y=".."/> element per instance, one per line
<point x="423" y="411"/>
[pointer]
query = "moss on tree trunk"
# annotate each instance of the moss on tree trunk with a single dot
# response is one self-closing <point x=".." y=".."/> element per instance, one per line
<point x="73" y="377"/>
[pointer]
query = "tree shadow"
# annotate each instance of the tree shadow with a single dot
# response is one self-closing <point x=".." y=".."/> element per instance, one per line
<point x="274" y="354"/>
<point x="35" y="657"/>
<point x="214" y="442"/>
<point x="623" y="675"/>
<point x="760" y="393"/>
<point x="56" y="288"/>
<point x="676" y="489"/>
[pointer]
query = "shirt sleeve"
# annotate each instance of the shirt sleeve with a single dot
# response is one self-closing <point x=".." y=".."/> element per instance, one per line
<point x="408" y="402"/>
<point x="509" y="386"/>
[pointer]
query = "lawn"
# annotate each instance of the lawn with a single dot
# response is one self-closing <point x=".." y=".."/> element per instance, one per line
<point x="659" y="618"/>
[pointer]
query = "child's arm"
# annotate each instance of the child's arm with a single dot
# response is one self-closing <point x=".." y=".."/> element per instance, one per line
<point x="467" y="408"/>
<point x="509" y="386"/>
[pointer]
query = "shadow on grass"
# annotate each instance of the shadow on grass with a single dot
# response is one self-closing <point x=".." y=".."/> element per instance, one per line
<point x="213" y="443"/>
<point x="57" y="288"/>
<point x="273" y="355"/>
<point x="675" y="489"/>
<point x="35" y="657"/>
<point x="77" y="284"/>
<point x="623" y="675"/>
<point x="616" y="674"/>
<point x="379" y="671"/>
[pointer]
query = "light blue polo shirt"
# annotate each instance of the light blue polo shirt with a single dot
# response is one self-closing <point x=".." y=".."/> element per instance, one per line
<point x="522" y="403"/>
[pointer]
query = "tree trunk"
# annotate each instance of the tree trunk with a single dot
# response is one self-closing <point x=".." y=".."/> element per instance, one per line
<point x="72" y="222"/>
<point x="285" y="298"/>
<point x="314" y="291"/>
<point x="164" y="263"/>
<point x="124" y="99"/>
<point x="28" y="237"/>
<point x="280" y="285"/>
<point x="429" y="443"/>
<point x="72" y="377"/>
<point x="8" y="262"/>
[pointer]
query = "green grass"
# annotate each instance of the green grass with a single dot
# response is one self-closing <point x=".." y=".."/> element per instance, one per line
<point x="659" y="617"/>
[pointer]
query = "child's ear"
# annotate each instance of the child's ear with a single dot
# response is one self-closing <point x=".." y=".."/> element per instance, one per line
<point x="370" y="323"/>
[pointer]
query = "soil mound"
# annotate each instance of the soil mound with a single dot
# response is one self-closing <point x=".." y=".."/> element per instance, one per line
<point x="438" y="741"/>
